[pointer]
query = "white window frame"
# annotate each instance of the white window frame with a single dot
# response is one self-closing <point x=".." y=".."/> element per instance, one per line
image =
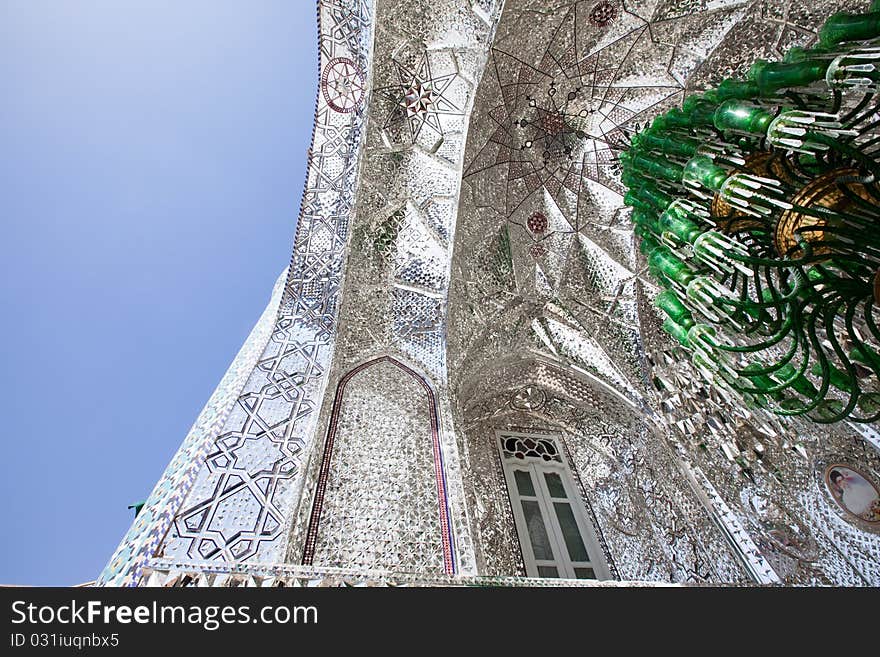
<point x="536" y="467"/>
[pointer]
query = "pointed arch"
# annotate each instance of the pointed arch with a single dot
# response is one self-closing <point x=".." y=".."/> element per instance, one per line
<point x="446" y="534"/>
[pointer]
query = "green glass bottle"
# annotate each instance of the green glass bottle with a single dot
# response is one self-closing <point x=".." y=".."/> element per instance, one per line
<point x="799" y="383"/>
<point x="849" y="27"/>
<point x="836" y="377"/>
<point x="656" y="168"/>
<point x="669" y="303"/>
<point x="770" y="77"/>
<point x="676" y="220"/>
<point x="677" y="331"/>
<point x="670" y="265"/>
<point x="743" y="117"/>
<point x="701" y="171"/>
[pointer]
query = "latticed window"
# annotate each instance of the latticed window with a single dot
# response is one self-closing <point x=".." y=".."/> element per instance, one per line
<point x="556" y="538"/>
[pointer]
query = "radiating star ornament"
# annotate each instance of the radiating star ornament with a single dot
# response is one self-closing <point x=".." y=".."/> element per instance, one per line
<point x="342" y="84"/>
<point x="551" y="126"/>
<point x="418" y="99"/>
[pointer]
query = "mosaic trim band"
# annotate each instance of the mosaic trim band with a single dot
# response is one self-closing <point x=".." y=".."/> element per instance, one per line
<point x="153" y="522"/>
<point x="265" y="418"/>
<point x="168" y="574"/>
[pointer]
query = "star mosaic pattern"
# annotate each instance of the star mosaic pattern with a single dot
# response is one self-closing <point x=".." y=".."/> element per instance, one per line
<point x="342" y="84"/>
<point x="473" y="215"/>
<point x="545" y="267"/>
<point x="417" y="101"/>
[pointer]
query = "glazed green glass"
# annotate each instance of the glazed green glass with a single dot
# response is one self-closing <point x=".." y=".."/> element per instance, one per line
<point x="645" y="220"/>
<point x="634" y="200"/>
<point x="770" y="77"/>
<point x="705" y="335"/>
<point x="798" y="54"/>
<point x="648" y="242"/>
<point x="838" y="379"/>
<point x="650" y="196"/>
<point x="758" y="379"/>
<point x="677" y="331"/>
<point x="800" y="382"/>
<point x="656" y="168"/>
<point x="849" y="27"/>
<point x="762" y="299"/>
<point x="731" y="88"/>
<point x="629" y="179"/>
<point x="670" y="266"/>
<point x="676" y="221"/>
<point x="699" y="110"/>
<point x="669" y="303"/>
<point x="815" y="275"/>
<point x="682" y="146"/>
<point x="864" y="355"/>
<point x="704" y="172"/>
<point x="741" y="116"/>
<point x="675" y="118"/>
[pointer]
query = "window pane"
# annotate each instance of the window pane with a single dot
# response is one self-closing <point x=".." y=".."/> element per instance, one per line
<point x="537" y="531"/>
<point x="554" y="483"/>
<point x="571" y="532"/>
<point x="584" y="573"/>
<point x="547" y="571"/>
<point x="524" y="482"/>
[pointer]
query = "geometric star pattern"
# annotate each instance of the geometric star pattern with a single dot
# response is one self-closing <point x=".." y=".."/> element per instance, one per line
<point x="540" y="320"/>
<point x="554" y="121"/>
<point x="229" y="499"/>
<point x="417" y="100"/>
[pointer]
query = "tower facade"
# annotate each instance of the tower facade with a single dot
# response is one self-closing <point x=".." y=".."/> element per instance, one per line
<point x="460" y="377"/>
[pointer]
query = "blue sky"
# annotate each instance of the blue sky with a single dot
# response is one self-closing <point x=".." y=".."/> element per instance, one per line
<point x="152" y="156"/>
